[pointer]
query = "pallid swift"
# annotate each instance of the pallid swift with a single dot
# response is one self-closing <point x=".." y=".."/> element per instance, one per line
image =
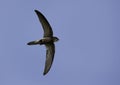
<point x="48" y="40"/>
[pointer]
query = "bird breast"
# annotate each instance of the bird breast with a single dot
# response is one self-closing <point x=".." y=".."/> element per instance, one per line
<point x="46" y="40"/>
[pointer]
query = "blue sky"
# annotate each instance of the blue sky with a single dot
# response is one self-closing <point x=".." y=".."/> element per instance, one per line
<point x="88" y="52"/>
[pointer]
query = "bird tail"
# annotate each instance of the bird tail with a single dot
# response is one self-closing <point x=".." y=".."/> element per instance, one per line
<point x="33" y="43"/>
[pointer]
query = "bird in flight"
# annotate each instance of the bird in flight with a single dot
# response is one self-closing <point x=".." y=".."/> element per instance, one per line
<point x="48" y="40"/>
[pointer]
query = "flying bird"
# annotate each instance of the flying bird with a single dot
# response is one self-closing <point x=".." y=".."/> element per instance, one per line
<point x="48" y="40"/>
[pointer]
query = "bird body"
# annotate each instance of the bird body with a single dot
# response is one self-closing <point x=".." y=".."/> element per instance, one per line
<point x="48" y="40"/>
<point x="44" y="41"/>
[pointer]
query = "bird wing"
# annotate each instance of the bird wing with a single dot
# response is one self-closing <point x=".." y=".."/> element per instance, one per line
<point x="45" y="24"/>
<point x="49" y="57"/>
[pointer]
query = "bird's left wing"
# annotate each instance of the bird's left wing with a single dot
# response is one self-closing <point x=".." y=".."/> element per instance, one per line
<point x="45" y="24"/>
<point x="49" y="57"/>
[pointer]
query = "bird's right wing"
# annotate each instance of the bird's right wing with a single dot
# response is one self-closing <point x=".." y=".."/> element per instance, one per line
<point x="45" y="24"/>
<point x="49" y="57"/>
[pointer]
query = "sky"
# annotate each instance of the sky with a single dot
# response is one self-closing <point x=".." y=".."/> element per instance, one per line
<point x="88" y="52"/>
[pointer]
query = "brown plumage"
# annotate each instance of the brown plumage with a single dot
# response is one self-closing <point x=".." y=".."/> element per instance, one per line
<point x="48" y="40"/>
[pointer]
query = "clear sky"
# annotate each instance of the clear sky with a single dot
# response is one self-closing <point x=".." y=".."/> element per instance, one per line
<point x="88" y="52"/>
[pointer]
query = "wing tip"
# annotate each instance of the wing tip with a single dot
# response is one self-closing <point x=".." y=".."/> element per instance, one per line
<point x="37" y="11"/>
<point x="44" y="73"/>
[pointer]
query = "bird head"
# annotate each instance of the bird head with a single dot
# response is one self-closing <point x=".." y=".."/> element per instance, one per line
<point x="55" y="39"/>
